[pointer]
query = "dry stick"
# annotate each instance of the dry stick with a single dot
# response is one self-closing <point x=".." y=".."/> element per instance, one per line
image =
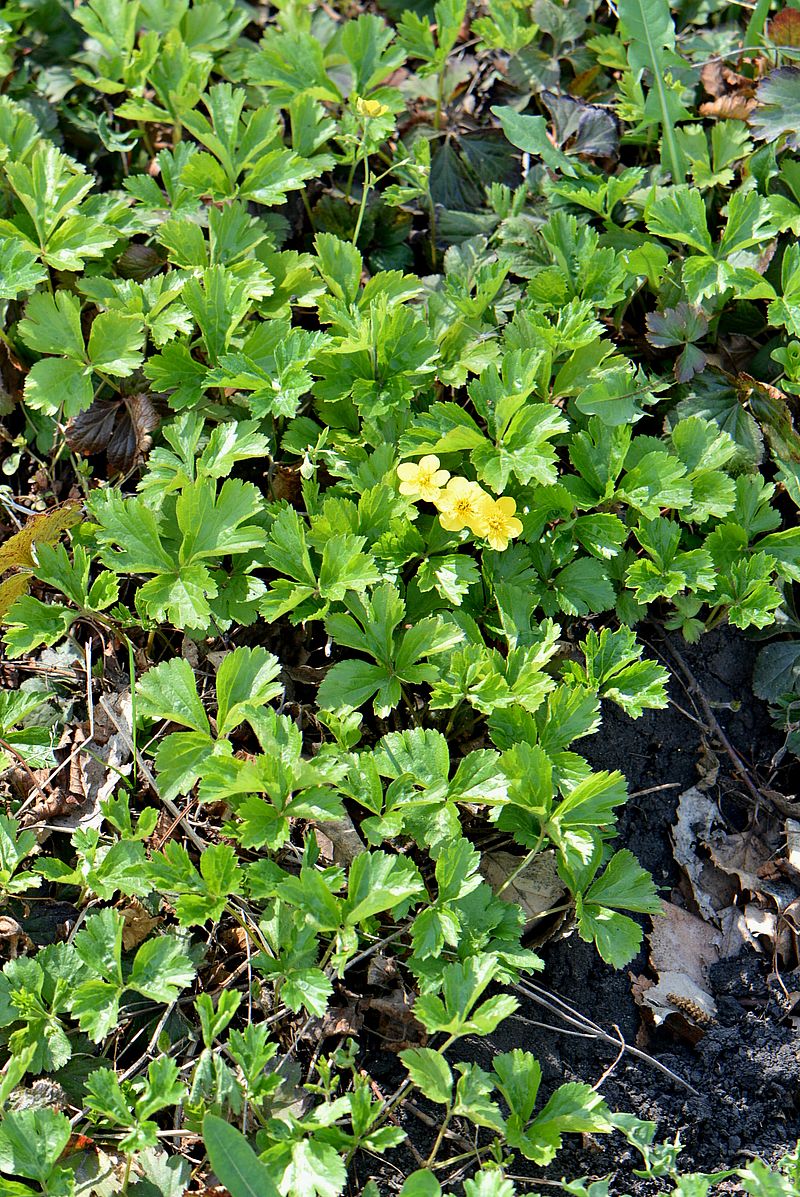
<point x="177" y="814"/>
<point x="552" y="1003"/>
<point x="614" y="1063"/>
<point x="668" y="785"/>
<point x="694" y="688"/>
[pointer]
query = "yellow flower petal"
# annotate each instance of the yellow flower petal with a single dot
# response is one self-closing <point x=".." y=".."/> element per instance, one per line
<point x="460" y="506"/>
<point x="423" y="480"/>
<point x="500" y="524"/>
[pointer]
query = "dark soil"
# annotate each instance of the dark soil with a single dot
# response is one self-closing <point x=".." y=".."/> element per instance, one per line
<point x="746" y="1067"/>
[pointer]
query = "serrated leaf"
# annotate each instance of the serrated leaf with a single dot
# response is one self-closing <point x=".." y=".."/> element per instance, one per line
<point x="430" y="1072"/>
<point x="169" y="691"/>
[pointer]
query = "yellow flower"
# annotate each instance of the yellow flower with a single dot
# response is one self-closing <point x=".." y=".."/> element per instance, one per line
<point x="370" y="108"/>
<point x="499" y="522"/>
<point x="423" y="480"/>
<point x="460" y="506"/>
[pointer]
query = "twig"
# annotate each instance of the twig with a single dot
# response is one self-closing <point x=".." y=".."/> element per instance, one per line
<point x="668" y="785"/>
<point x="614" y="1063"/>
<point x="568" y="1014"/>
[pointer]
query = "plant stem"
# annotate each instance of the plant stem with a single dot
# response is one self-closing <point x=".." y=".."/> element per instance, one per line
<point x="437" y="1144"/>
<point x="364" y="196"/>
<point x="127" y="1176"/>
<point x="523" y="864"/>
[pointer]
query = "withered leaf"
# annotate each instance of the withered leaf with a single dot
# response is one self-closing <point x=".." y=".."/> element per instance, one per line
<point x="733" y="94"/>
<point x="119" y="427"/>
<point x="15" y="553"/>
<point x="784" y="28"/>
<point x="12" y="589"/>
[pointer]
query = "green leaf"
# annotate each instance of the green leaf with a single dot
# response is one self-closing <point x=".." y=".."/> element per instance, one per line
<point x="421" y="1183"/>
<point x="679" y="214"/>
<point x="161" y="969"/>
<point x="430" y="1072"/>
<point x="31" y="1142"/>
<point x="31" y="623"/>
<point x="614" y="669"/>
<point x="52" y="324"/>
<point x="352" y="683"/>
<point x="99" y="944"/>
<point x="650" y="33"/>
<point x="169" y="691"/>
<point x="777" y="113"/>
<point x="235" y="1163"/>
<point x="617" y="937"/>
<point x="520" y="1076"/>
<point x="246" y="680"/>
<point x="379" y="882"/>
<point x="574" y="1108"/>
<point x="20" y="270"/>
<point x="58" y="383"/>
<point x="115" y="343"/>
<point x="529" y="133"/>
<point x="624" y="885"/>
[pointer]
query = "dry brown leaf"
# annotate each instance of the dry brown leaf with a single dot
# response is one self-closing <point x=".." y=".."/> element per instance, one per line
<point x="695" y="818"/>
<point x="733" y="94"/>
<point x="12" y="937"/>
<point x="733" y="107"/>
<point x="680" y="941"/>
<point x="137" y="924"/>
<point x="537" y="889"/>
<point x="397" y="1027"/>
<point x="707" y="767"/>
<point x="682" y="947"/>
<point x="676" y="993"/>
<point x="747" y="857"/>
<point x="338" y="840"/>
<point x="793" y="844"/>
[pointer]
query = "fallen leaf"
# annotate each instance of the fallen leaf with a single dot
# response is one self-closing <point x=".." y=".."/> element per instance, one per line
<point x="793" y="844"/>
<point x="731" y="107"/>
<point x="695" y="818"/>
<point x="747" y="857"/>
<point x="338" y="840"/>
<point x="537" y="889"/>
<point x="677" y="994"/>
<point x="733" y="94"/>
<point x="682" y="948"/>
<point x="137" y="924"/>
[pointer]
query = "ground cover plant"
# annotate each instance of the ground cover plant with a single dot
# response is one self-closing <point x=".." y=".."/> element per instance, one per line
<point x="373" y="380"/>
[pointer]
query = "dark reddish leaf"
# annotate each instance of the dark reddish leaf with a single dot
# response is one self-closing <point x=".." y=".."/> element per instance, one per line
<point x="139" y="262"/>
<point x="784" y="28"/>
<point x="118" y="427"/>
